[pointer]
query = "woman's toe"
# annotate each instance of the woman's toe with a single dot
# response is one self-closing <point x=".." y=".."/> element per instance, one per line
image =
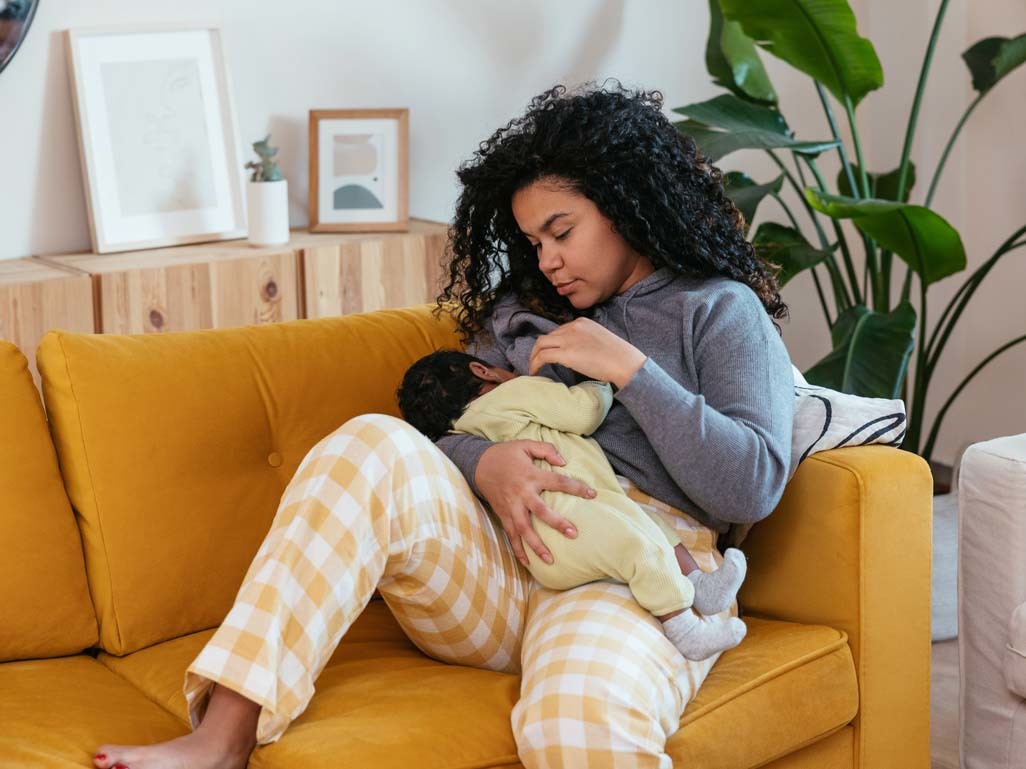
<point x="104" y="757"/>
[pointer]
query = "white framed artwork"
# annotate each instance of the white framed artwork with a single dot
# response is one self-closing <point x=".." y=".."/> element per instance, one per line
<point x="161" y="158"/>
<point x="358" y="170"/>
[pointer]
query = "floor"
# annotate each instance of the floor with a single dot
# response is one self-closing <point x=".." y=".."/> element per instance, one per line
<point x="944" y="705"/>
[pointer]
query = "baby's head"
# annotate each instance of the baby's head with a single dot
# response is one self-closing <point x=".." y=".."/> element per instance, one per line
<point x="437" y="388"/>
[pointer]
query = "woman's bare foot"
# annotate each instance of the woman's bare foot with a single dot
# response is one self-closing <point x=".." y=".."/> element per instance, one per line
<point x="223" y="740"/>
<point x="192" y="751"/>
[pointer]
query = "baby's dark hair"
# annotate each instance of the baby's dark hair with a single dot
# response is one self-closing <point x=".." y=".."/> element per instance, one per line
<point x="436" y="389"/>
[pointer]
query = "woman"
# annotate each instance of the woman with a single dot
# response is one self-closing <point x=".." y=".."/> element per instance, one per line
<point x="591" y="241"/>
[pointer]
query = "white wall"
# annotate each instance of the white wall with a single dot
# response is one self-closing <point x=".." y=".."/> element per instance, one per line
<point x="463" y="67"/>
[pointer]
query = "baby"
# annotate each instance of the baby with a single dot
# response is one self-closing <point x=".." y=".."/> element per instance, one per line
<point x="617" y="539"/>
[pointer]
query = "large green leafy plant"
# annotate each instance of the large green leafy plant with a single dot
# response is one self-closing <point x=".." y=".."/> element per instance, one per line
<point x="873" y="334"/>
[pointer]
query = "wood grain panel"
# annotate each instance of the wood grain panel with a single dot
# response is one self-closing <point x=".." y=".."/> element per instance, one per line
<point x="191" y="288"/>
<point x="372" y="273"/>
<point x="36" y="297"/>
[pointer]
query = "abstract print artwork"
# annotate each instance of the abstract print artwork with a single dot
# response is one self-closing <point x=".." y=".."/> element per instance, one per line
<point x="160" y="150"/>
<point x="358" y="173"/>
<point x="358" y="170"/>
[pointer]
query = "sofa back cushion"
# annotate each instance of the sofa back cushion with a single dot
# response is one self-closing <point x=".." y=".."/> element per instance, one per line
<point x="45" y="609"/>
<point x="176" y="448"/>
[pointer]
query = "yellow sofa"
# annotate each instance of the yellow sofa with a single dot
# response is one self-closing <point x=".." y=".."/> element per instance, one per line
<point x="127" y="528"/>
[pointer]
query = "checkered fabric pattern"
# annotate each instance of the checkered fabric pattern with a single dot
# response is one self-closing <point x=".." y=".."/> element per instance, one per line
<point x="375" y="504"/>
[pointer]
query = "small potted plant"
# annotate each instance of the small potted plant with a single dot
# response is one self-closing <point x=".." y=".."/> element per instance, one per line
<point x="268" y="198"/>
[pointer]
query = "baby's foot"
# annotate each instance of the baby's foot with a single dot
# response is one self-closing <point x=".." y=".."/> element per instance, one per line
<point x="715" y="591"/>
<point x="698" y="638"/>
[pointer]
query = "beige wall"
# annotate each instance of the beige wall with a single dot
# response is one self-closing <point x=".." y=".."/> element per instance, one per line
<point x="460" y="80"/>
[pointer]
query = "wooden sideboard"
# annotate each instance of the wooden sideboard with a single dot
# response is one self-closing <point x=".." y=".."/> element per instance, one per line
<point x="220" y="284"/>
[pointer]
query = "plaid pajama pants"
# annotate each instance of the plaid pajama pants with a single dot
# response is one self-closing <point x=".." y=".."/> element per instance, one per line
<point x="375" y="504"/>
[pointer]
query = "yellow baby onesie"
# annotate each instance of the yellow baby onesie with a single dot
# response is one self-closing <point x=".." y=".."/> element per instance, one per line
<point x="616" y="538"/>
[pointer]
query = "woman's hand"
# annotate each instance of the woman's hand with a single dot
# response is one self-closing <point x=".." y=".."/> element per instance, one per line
<point x="511" y="484"/>
<point x="589" y="349"/>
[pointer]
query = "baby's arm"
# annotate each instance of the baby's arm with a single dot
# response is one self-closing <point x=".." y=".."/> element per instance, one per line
<point x="578" y="409"/>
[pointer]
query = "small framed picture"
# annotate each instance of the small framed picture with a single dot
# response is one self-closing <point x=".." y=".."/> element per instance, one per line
<point x="161" y="158"/>
<point x="359" y="170"/>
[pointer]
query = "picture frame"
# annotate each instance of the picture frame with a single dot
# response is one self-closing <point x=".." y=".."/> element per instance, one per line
<point x="359" y="170"/>
<point x="162" y="164"/>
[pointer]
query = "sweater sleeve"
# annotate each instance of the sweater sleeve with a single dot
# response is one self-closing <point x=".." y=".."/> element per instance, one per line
<point x="727" y="447"/>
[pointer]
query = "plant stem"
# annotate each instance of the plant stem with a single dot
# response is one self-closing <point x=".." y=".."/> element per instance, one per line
<point x="906" y="150"/>
<point x="939" y="338"/>
<point x="928" y="448"/>
<point x="921" y="381"/>
<point x="879" y="300"/>
<point x="947" y="148"/>
<point x="913" y="117"/>
<point x="837" y="135"/>
<point x="816" y="278"/>
<point x="798" y="168"/>
<point x="907" y="288"/>
<point x="842" y="299"/>
<point x="846" y="164"/>
<point x="849" y="266"/>
<point x="965" y="293"/>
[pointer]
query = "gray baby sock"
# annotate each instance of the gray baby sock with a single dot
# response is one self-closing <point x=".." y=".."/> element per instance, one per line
<point x="698" y="638"/>
<point x="715" y="591"/>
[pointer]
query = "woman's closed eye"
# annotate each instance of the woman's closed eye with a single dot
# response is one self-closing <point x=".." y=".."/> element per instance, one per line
<point x="560" y="236"/>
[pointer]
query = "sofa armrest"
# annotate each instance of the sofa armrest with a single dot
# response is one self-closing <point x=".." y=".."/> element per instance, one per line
<point x="849" y="546"/>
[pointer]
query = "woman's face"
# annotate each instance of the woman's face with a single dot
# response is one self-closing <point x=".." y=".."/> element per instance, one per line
<point x="578" y="250"/>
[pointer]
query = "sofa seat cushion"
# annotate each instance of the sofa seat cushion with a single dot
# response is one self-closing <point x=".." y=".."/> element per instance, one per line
<point x="42" y="563"/>
<point x="382" y="703"/>
<point x="786" y="685"/>
<point x="56" y="712"/>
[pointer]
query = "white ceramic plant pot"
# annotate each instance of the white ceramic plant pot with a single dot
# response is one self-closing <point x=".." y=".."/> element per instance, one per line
<point x="268" y="213"/>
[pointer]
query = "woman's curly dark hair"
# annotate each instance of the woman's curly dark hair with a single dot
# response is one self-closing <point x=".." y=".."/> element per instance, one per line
<point x="615" y="147"/>
<point x="436" y="389"/>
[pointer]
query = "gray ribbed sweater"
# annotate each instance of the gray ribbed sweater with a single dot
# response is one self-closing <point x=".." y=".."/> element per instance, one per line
<point x="705" y="424"/>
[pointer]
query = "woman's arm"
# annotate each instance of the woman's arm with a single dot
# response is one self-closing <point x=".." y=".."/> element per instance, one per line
<point x="505" y="477"/>
<point x="728" y="448"/>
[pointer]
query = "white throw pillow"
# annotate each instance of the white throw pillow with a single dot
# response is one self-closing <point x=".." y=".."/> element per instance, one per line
<point x="828" y="419"/>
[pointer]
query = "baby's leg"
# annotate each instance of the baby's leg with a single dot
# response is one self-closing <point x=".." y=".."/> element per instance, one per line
<point x="715" y="591"/>
<point x="698" y="638"/>
<point x="618" y="540"/>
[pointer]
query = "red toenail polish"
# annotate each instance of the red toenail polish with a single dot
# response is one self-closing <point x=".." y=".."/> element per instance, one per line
<point x="101" y="756"/>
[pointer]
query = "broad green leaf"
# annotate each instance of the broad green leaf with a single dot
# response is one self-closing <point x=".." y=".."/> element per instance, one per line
<point x="844" y="324"/>
<point x="717" y="144"/>
<point x="818" y="37"/>
<point x="881" y="186"/>
<point x="992" y="58"/>
<point x="733" y="61"/>
<point x="730" y="113"/>
<point x="787" y="247"/>
<point x="921" y="237"/>
<point x="871" y="352"/>
<point x="747" y="194"/>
